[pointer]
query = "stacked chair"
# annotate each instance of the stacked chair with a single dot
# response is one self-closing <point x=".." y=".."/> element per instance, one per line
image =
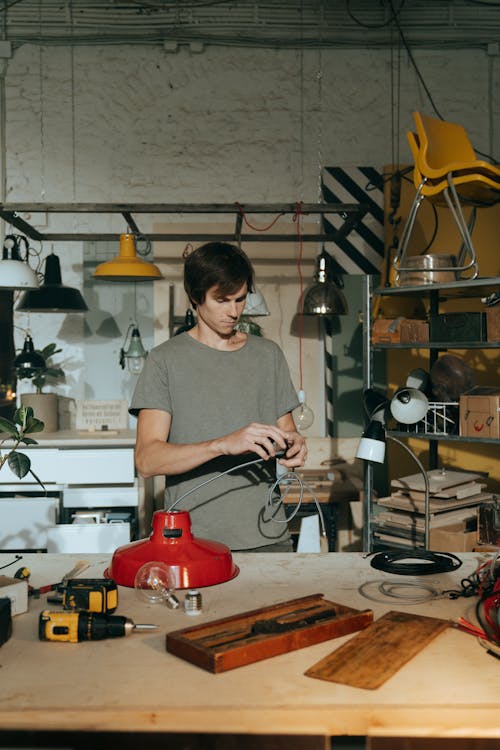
<point x="447" y="172"/>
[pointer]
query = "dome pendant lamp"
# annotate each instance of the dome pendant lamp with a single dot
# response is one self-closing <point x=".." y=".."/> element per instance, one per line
<point x="324" y="297"/>
<point x="127" y="266"/>
<point x="16" y="273"/>
<point x="28" y="362"/>
<point x="52" y="296"/>
<point x="195" y="562"/>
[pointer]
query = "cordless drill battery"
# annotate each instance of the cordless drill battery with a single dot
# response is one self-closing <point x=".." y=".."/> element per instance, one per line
<point x="90" y="594"/>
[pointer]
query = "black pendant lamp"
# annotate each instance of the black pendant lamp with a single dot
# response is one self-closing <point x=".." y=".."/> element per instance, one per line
<point x="28" y="362"/>
<point x="52" y="296"/>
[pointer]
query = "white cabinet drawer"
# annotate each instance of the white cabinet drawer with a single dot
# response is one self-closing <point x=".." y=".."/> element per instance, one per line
<point x="99" y="466"/>
<point x="76" y="466"/>
<point x="45" y="463"/>
<point x="101" y="497"/>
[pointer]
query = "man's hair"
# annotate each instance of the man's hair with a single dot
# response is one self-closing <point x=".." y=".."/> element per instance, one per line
<point x="216" y="264"/>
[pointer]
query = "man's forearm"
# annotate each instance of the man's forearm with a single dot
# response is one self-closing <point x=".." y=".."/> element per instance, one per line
<point x="158" y="458"/>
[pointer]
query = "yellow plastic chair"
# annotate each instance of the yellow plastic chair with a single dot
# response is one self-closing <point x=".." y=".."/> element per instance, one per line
<point x="447" y="172"/>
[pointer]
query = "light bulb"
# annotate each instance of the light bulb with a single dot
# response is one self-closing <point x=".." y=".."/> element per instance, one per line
<point x="155" y="583"/>
<point x="134" y="354"/>
<point x="303" y="414"/>
<point x="135" y="365"/>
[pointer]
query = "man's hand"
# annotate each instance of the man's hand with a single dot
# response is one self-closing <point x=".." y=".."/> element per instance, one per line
<point x="296" y="452"/>
<point x="263" y="439"/>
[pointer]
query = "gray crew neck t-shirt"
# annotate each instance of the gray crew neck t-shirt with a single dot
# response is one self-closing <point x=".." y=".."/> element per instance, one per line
<point x="210" y="393"/>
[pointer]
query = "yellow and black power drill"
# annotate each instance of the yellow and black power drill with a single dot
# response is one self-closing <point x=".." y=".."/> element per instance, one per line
<point x="85" y="626"/>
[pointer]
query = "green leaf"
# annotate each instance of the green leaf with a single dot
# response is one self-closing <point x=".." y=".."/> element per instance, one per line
<point x="34" y="425"/>
<point x="29" y="441"/>
<point x="19" y="464"/>
<point x="7" y="426"/>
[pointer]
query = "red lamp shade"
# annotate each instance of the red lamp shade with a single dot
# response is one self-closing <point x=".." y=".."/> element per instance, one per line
<point x="194" y="562"/>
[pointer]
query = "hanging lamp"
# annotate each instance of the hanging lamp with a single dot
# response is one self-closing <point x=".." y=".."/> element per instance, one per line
<point x="133" y="353"/>
<point x="127" y="266"/>
<point x="52" y="296"/>
<point x="255" y="304"/>
<point x="28" y="362"/>
<point x="324" y="296"/>
<point x="16" y="273"/>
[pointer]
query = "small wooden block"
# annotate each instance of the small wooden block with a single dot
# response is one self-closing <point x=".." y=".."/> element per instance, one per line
<point x="220" y="645"/>
<point x="374" y="655"/>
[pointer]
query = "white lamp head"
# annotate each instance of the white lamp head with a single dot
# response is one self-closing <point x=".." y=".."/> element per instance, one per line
<point x="409" y="405"/>
<point x="16" y="273"/>
<point x="372" y="444"/>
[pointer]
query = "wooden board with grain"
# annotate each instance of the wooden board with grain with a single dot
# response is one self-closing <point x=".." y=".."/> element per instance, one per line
<point x="378" y="652"/>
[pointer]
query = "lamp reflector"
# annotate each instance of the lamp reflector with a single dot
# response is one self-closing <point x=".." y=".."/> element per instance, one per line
<point x="255" y="304"/>
<point x="324" y="296"/>
<point x="16" y="274"/>
<point x="372" y="444"/>
<point x="371" y="450"/>
<point x="127" y="266"/>
<point x="52" y="296"/>
<point x="409" y="405"/>
<point x="28" y="362"/>
<point x="194" y="562"/>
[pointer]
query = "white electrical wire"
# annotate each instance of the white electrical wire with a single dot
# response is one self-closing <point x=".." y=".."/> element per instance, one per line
<point x="273" y="502"/>
<point x="392" y="589"/>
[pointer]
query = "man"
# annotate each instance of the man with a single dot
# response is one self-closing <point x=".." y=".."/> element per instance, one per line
<point x="212" y="399"/>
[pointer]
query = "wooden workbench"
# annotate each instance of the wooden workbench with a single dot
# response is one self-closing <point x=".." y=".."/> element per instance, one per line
<point x="450" y="689"/>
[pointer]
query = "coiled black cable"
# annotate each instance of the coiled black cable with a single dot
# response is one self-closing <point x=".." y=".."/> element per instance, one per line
<point x="427" y="563"/>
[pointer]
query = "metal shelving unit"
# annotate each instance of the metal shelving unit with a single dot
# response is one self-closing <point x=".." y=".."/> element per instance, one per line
<point x="435" y="293"/>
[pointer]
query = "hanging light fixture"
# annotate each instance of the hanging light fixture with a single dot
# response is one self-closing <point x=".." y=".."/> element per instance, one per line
<point x="28" y="362"/>
<point x="127" y="266"/>
<point x="16" y="273"/>
<point x="255" y="304"/>
<point x="324" y="297"/>
<point x="52" y="296"/>
<point x="133" y="352"/>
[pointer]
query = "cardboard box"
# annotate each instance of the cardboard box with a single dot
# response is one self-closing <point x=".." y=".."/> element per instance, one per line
<point x="480" y="413"/>
<point x="493" y="323"/>
<point x="452" y="538"/>
<point x="414" y="331"/>
<point x="386" y="331"/>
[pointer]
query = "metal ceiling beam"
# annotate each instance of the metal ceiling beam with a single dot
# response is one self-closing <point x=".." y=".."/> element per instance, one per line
<point x="12" y="213"/>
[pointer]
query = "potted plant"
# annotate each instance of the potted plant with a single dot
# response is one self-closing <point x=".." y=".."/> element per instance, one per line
<point x="44" y="404"/>
<point x="14" y="432"/>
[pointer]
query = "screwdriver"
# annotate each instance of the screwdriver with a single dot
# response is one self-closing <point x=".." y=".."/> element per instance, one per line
<point x="85" y="626"/>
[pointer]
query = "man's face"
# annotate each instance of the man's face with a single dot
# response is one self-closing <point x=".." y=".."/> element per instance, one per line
<point x="220" y="312"/>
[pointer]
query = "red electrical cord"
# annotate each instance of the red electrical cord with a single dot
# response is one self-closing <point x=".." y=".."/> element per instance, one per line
<point x="257" y="229"/>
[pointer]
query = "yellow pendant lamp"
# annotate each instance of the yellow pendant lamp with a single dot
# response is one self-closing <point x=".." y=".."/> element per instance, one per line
<point x="127" y="266"/>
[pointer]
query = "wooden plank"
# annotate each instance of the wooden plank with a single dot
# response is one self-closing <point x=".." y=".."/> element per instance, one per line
<point x="231" y="642"/>
<point x="373" y="656"/>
